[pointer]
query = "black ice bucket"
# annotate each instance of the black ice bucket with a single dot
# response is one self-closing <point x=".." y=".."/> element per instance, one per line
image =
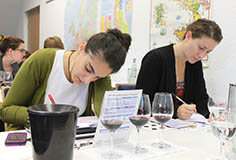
<point x="53" y="128"/>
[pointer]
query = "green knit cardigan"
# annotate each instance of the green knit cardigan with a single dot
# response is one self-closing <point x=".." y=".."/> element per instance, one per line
<point x="29" y="87"/>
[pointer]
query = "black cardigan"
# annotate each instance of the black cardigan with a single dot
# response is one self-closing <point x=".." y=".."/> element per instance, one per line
<point x="158" y="74"/>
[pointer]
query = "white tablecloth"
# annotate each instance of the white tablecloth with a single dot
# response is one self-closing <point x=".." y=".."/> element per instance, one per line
<point x="194" y="144"/>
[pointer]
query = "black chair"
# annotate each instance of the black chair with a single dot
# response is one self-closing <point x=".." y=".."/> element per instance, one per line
<point x="4" y="90"/>
<point x="125" y="86"/>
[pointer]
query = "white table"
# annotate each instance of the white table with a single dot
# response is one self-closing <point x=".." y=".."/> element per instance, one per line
<point x="197" y="144"/>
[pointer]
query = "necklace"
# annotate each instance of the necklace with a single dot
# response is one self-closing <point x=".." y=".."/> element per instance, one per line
<point x="69" y="68"/>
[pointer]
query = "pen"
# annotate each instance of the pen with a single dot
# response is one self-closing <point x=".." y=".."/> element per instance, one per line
<point x="182" y="101"/>
<point x="51" y="99"/>
<point x="93" y="125"/>
<point x="179" y="99"/>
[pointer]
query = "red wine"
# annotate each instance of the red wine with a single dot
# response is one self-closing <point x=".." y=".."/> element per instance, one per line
<point x="138" y="121"/>
<point x="162" y="118"/>
<point x="112" y="124"/>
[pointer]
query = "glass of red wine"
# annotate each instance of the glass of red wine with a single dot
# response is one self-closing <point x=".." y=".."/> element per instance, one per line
<point x="162" y="111"/>
<point x="112" y="122"/>
<point x="141" y="118"/>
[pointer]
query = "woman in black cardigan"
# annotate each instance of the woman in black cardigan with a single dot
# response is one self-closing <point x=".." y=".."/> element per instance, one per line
<point x="177" y="68"/>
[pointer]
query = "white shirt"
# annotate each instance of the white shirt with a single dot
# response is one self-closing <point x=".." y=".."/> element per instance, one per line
<point x="62" y="91"/>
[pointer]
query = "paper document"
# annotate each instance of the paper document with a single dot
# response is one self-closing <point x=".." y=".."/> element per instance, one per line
<point x="197" y="118"/>
<point x="117" y="104"/>
<point x="177" y="123"/>
<point x="87" y="121"/>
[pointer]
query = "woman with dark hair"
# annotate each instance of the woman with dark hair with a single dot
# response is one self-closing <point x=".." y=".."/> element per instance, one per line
<point x="78" y="77"/>
<point x="177" y="68"/>
<point x="12" y="53"/>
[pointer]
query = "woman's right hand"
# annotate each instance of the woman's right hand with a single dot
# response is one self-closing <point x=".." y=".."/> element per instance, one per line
<point x="185" y="111"/>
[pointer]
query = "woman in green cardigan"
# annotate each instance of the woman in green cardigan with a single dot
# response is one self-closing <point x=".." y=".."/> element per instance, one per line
<point x="78" y="77"/>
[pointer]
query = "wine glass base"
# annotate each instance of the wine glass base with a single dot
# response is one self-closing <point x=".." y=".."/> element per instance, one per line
<point x="216" y="159"/>
<point x="161" y="145"/>
<point x="231" y="156"/>
<point x="140" y="150"/>
<point x="111" y="155"/>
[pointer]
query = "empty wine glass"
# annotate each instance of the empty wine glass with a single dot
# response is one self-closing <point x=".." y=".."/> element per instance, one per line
<point x="1" y="77"/>
<point x="141" y="118"/>
<point x="162" y="111"/>
<point x="112" y="122"/>
<point x="215" y="108"/>
<point x="7" y="78"/>
<point x="223" y="127"/>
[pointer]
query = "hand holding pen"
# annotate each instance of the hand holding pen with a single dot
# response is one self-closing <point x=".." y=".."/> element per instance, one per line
<point x="185" y="111"/>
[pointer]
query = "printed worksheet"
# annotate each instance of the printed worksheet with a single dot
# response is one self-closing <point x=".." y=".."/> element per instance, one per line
<point x="116" y="109"/>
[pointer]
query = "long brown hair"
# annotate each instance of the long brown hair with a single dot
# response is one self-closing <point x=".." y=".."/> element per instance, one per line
<point x="205" y="27"/>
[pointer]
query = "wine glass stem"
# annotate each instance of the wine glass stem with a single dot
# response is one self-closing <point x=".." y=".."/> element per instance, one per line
<point x="112" y="144"/>
<point x="222" y="154"/>
<point x="138" y="142"/>
<point x="160" y="134"/>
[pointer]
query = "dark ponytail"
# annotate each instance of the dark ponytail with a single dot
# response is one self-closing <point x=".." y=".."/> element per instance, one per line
<point x="124" y="38"/>
<point x="112" y="46"/>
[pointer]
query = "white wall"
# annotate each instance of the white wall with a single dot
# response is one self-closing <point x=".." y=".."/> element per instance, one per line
<point x="53" y="24"/>
<point x="221" y="69"/>
<point x="10" y="18"/>
<point x="51" y="18"/>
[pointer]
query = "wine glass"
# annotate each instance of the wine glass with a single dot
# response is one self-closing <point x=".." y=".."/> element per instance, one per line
<point x="215" y="108"/>
<point x="112" y="122"/>
<point x="223" y="127"/>
<point x="7" y="78"/>
<point x="1" y="77"/>
<point x="162" y="111"/>
<point x="141" y="118"/>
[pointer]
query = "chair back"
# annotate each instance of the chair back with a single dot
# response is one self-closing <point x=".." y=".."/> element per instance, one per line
<point x="4" y="90"/>
<point x="125" y="86"/>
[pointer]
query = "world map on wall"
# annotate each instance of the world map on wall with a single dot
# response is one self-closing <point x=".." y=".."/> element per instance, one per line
<point x="83" y="18"/>
<point x="170" y="18"/>
<point x="116" y="14"/>
<point x="80" y="21"/>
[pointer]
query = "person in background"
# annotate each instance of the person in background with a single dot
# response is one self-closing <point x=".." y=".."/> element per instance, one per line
<point x="79" y="78"/>
<point x="53" y="42"/>
<point x="2" y="37"/>
<point x="1" y="123"/>
<point x="26" y="56"/>
<point x="177" y="68"/>
<point x="12" y="52"/>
